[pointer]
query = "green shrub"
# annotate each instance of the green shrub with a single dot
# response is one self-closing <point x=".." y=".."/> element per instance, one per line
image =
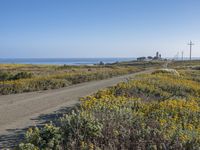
<point x="27" y="146"/>
<point x="48" y="137"/>
<point x="5" y="76"/>
<point x="22" y="75"/>
<point x="120" y="117"/>
<point x="8" y="76"/>
<point x="78" y="128"/>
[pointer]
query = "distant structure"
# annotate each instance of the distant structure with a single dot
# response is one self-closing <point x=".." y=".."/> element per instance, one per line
<point x="149" y="58"/>
<point x="158" y="56"/>
<point x="101" y="63"/>
<point x="190" y="44"/>
<point x="141" y="58"/>
<point x="182" y="53"/>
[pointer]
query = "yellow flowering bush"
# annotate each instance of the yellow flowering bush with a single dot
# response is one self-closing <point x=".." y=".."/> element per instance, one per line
<point x="153" y="111"/>
<point x="52" y="77"/>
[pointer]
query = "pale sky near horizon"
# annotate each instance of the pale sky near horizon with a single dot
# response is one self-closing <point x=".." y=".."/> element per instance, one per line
<point x="98" y="28"/>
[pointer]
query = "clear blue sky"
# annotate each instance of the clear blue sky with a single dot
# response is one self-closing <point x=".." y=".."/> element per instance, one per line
<point x="98" y="28"/>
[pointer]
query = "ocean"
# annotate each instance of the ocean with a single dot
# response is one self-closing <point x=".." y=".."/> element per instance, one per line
<point x="62" y="61"/>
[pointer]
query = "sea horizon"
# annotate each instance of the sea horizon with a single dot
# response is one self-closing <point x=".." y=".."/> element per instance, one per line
<point x="62" y="61"/>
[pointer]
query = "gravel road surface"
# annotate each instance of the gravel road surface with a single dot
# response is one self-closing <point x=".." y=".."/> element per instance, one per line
<point x="20" y="111"/>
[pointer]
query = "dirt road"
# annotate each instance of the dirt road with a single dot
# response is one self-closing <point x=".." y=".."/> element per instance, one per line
<point x="20" y="111"/>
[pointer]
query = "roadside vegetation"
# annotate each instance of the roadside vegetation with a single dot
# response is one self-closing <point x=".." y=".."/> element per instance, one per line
<point x="25" y="78"/>
<point x="153" y="111"/>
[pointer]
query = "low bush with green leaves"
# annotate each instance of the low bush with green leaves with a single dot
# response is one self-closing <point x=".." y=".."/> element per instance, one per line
<point x="4" y="76"/>
<point x="152" y="111"/>
<point x="48" y="137"/>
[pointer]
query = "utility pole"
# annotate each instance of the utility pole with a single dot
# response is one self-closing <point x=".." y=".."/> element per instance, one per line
<point x="190" y="44"/>
<point x="182" y="55"/>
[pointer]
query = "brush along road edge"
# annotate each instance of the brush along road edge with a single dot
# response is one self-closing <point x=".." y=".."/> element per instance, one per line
<point x="18" y="111"/>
